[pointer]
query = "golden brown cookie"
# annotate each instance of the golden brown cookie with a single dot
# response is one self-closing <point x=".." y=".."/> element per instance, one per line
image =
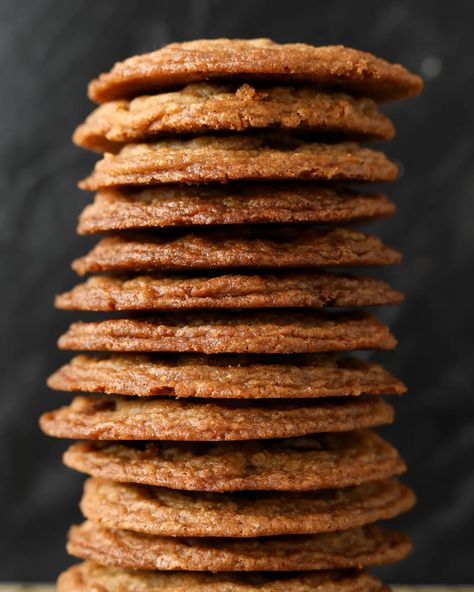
<point x="155" y="207"/>
<point x="165" y="512"/>
<point x="225" y="377"/>
<point x="258" y="332"/>
<point x="116" y="418"/>
<point x="219" y="159"/>
<point x="204" y="107"/>
<point x="333" y="66"/>
<point x="311" y="289"/>
<point x="88" y="576"/>
<point x="321" y="461"/>
<point x="355" y="548"/>
<point x="247" y="247"/>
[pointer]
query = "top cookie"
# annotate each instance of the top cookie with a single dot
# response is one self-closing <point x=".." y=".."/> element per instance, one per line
<point x="335" y="67"/>
<point x="203" y="108"/>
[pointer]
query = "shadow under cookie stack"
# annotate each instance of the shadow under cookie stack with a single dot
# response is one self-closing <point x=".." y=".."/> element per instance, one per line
<point x="231" y="448"/>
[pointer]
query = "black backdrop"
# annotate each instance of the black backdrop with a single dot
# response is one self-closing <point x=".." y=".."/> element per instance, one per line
<point x="49" y="49"/>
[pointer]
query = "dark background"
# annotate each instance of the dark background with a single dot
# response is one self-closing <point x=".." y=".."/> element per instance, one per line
<point x="49" y="49"/>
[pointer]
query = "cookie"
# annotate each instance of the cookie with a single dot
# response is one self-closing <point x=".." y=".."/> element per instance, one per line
<point x="263" y="60"/>
<point x="312" y="289"/>
<point x="248" y="247"/>
<point x="225" y="377"/>
<point x="155" y="207"/>
<point x="354" y="548"/>
<point x="258" y="332"/>
<point x="204" y="107"/>
<point x="321" y="461"/>
<point x="219" y="159"/>
<point x="165" y="512"/>
<point x="88" y="576"/>
<point x="114" y="418"/>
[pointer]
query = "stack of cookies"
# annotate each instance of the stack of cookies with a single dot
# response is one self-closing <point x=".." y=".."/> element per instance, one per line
<point x="231" y="446"/>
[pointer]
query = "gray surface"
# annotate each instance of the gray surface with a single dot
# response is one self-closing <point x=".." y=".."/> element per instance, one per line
<point x="48" y="51"/>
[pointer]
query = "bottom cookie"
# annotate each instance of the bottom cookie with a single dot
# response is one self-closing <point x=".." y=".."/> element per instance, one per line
<point x="354" y="548"/>
<point x="88" y="576"/>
